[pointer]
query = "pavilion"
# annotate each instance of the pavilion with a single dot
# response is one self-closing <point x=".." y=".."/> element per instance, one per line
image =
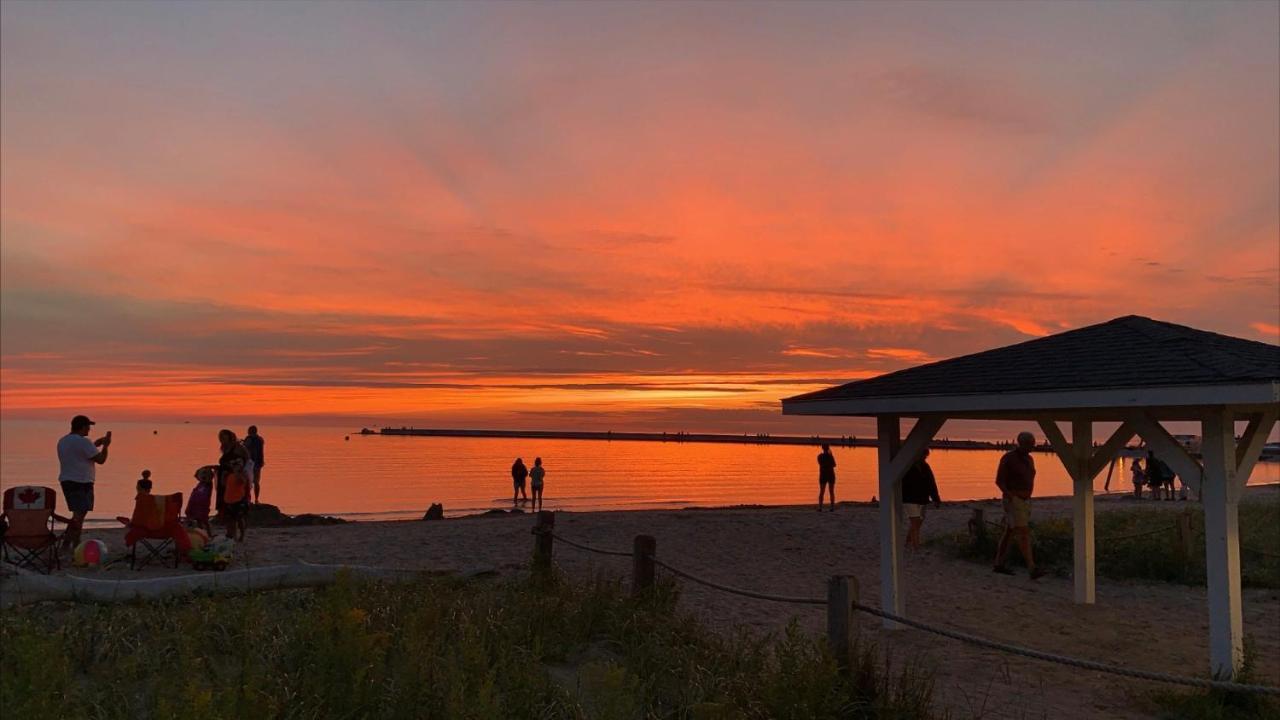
<point x="1133" y="371"/>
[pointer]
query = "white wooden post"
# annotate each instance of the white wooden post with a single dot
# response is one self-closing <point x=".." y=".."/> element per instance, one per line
<point x="1222" y="543"/>
<point x="1082" y="511"/>
<point x="889" y="436"/>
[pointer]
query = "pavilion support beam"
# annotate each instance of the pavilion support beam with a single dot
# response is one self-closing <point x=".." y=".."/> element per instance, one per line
<point x="1083" y="463"/>
<point x="1250" y="447"/>
<point x="1082" y="535"/>
<point x="1220" y="491"/>
<point x="895" y="458"/>
<point x="1168" y="449"/>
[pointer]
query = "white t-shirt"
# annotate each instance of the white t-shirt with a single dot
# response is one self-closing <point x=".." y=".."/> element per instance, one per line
<point x="75" y="454"/>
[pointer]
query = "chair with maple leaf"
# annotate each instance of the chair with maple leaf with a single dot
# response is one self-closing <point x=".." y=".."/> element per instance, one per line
<point x="29" y="518"/>
<point x="156" y="527"/>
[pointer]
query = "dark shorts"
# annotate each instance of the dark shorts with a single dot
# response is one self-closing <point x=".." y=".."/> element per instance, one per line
<point x="826" y="481"/>
<point x="79" y="496"/>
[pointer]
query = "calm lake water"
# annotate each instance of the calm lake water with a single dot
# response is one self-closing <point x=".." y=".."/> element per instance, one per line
<point x="313" y="469"/>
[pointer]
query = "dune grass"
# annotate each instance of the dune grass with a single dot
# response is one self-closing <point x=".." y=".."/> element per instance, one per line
<point x="432" y="648"/>
<point x="1148" y="557"/>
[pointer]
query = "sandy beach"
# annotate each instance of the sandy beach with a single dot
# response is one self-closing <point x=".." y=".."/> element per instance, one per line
<point x="792" y="550"/>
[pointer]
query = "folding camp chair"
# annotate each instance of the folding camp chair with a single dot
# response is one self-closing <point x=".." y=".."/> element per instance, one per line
<point x="29" y="537"/>
<point x="155" y="527"/>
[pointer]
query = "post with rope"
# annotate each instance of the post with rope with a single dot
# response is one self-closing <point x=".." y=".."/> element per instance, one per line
<point x="1184" y="547"/>
<point x="644" y="549"/>
<point x="842" y="593"/>
<point x="542" y="540"/>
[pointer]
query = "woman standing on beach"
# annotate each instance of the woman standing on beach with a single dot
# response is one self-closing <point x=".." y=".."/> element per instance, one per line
<point x="234" y="477"/>
<point x="535" y="483"/>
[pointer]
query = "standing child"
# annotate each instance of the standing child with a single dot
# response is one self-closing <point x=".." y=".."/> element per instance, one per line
<point x="201" y="496"/>
<point x="535" y="482"/>
<point x="144" y="482"/>
<point x="1139" y="478"/>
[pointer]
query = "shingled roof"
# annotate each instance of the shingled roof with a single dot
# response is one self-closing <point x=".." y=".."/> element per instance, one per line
<point x="1125" y="354"/>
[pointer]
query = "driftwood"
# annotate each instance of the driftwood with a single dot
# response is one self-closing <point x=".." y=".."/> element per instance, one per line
<point x="28" y="588"/>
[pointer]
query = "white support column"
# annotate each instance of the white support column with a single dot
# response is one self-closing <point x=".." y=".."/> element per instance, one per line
<point x="1222" y="543"/>
<point x="1082" y="510"/>
<point x="889" y="434"/>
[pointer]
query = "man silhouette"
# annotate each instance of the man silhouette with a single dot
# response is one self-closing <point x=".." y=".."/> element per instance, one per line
<point x="826" y="476"/>
<point x="77" y="458"/>
<point x="1016" y="478"/>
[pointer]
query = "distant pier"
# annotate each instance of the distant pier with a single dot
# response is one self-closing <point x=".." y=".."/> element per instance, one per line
<point x="678" y="437"/>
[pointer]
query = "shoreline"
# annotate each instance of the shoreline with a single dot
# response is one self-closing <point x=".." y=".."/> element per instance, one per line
<point x="1250" y="492"/>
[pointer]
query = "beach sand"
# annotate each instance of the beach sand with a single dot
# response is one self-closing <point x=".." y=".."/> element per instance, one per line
<point x="793" y="550"/>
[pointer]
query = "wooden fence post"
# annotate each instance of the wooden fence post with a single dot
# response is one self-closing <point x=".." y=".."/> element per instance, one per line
<point x="1184" y="547"/>
<point x="542" y="540"/>
<point x="842" y="592"/>
<point x="643" y="551"/>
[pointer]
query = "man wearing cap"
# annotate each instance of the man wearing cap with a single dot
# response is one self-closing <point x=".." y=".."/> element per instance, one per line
<point x="77" y="456"/>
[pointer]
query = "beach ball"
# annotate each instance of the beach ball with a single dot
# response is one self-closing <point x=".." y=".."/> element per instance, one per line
<point x="90" y="553"/>
<point x="198" y="537"/>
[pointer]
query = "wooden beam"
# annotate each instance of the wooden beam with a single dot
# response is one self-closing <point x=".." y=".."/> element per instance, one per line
<point x="1250" y="447"/>
<point x="1107" y="452"/>
<point x="889" y="441"/>
<point x="922" y="433"/>
<point x="1169" y="450"/>
<point x="1058" y="442"/>
<point x="1222" y="544"/>
<point x="1082" y="538"/>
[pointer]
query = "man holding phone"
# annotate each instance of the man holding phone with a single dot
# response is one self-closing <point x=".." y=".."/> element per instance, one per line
<point x="77" y="456"/>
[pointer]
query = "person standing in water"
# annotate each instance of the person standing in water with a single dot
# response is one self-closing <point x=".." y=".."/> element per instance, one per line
<point x="826" y="476"/>
<point x="255" y="444"/>
<point x="518" y="473"/>
<point x="535" y="482"/>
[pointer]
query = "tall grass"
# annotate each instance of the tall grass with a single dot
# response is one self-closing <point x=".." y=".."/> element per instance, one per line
<point x="1149" y="557"/>
<point x="434" y="648"/>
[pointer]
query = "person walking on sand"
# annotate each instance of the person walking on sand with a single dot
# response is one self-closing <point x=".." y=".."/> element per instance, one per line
<point x="919" y="487"/>
<point x="1016" y="479"/>
<point x="254" y="443"/>
<point x="77" y="458"/>
<point x="518" y="474"/>
<point x="535" y="482"/>
<point x="826" y="476"/>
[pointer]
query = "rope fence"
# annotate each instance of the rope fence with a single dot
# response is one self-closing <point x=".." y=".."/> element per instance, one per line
<point x="843" y="591"/>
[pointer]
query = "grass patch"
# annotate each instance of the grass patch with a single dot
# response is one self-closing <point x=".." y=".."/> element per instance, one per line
<point x="1218" y="704"/>
<point x="1149" y="557"/>
<point x="432" y="648"/>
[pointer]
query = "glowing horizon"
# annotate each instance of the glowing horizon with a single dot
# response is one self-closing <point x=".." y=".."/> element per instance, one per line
<point x="640" y="215"/>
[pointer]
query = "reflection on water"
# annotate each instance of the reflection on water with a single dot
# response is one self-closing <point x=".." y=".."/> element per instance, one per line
<point x="312" y="469"/>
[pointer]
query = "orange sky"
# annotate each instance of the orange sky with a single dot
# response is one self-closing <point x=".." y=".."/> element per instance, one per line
<point x="660" y="216"/>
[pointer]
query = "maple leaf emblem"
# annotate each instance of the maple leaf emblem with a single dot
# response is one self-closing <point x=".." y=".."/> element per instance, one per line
<point x="29" y="496"/>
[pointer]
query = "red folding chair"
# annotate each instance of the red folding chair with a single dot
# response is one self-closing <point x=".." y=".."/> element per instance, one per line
<point x="28" y="522"/>
<point x="155" y="526"/>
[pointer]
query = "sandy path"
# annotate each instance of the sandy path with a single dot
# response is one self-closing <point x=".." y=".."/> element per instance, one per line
<point x="791" y="551"/>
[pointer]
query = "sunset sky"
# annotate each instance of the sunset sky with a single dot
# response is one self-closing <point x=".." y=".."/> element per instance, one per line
<point x="609" y="216"/>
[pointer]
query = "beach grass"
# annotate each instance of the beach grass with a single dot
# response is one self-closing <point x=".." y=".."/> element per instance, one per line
<point x="1152" y="555"/>
<point x="435" y="647"/>
<point x="1182" y="704"/>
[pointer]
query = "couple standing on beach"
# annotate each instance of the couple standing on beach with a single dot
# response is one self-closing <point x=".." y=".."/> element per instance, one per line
<point x="518" y="474"/>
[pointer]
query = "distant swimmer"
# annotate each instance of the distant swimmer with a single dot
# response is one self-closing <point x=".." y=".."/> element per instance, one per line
<point x="826" y="476"/>
<point x="535" y="482"/>
<point x="518" y="473"/>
